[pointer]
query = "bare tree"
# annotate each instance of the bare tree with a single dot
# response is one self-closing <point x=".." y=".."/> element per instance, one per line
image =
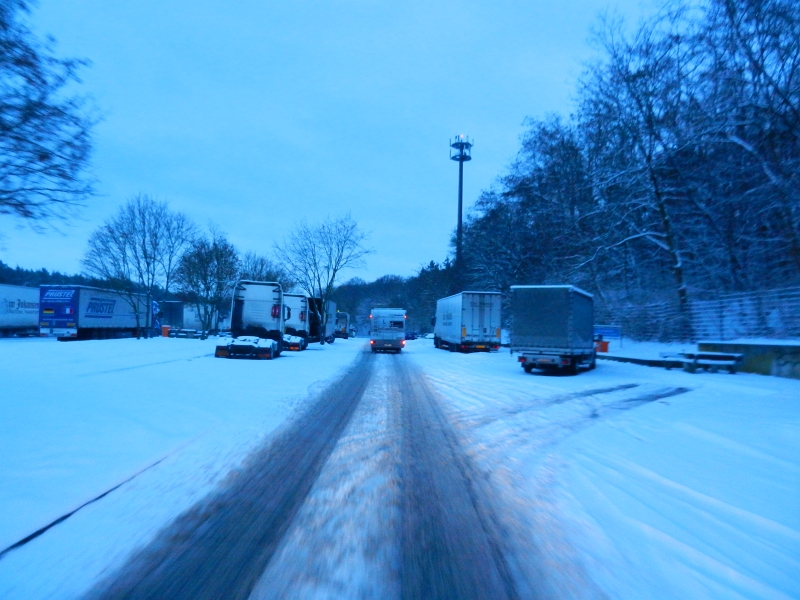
<point x="315" y="255"/>
<point x="259" y="268"/>
<point x="108" y="258"/>
<point x="207" y="274"/>
<point x="178" y="233"/>
<point x="45" y="133"/>
<point x="136" y="250"/>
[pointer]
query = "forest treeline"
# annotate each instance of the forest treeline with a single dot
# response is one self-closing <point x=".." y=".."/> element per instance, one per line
<point x="676" y="178"/>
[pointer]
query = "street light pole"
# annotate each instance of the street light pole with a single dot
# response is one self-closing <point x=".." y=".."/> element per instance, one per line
<point x="463" y="149"/>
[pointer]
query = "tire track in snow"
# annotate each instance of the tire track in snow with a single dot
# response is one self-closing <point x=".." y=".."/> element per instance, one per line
<point x="220" y="547"/>
<point x="449" y="543"/>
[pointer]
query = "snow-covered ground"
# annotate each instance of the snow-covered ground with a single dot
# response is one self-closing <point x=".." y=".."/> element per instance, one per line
<point x="626" y="481"/>
<point x="634" y="481"/>
<point x="79" y="418"/>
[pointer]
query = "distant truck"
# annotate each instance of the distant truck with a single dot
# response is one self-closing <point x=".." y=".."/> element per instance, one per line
<point x="468" y="322"/>
<point x="552" y="327"/>
<point x="298" y="320"/>
<point x="257" y="321"/>
<point x="326" y="332"/>
<point x="342" y="329"/>
<point x="387" y="329"/>
<point x="19" y="310"/>
<point x="79" y="312"/>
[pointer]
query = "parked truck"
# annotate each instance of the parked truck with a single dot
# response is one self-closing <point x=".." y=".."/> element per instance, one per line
<point x="342" y="329"/>
<point x="552" y="327"/>
<point x="19" y="310"/>
<point x="468" y="322"/>
<point x="257" y="321"/>
<point x="387" y="329"/>
<point x="79" y="312"/>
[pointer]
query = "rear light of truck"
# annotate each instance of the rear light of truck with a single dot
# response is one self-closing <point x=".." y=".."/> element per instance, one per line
<point x="372" y="341"/>
<point x="276" y="311"/>
<point x="565" y="361"/>
<point x="302" y="315"/>
<point x="522" y="359"/>
<point x="403" y="342"/>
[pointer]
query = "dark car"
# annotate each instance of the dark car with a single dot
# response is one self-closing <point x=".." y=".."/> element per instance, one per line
<point x="410" y="335"/>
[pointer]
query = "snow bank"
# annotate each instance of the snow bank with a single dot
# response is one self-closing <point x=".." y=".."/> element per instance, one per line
<point x="80" y="418"/>
<point x="631" y="481"/>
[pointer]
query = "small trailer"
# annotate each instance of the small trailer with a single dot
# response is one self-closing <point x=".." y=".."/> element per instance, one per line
<point x="552" y="327"/>
<point x="468" y="322"/>
<point x="387" y="329"/>
<point x="19" y="310"/>
<point x="257" y="321"/>
<point x="79" y="312"/>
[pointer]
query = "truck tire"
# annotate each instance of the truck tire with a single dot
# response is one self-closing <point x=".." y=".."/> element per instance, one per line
<point x="572" y="368"/>
<point x="528" y="368"/>
<point x="593" y="364"/>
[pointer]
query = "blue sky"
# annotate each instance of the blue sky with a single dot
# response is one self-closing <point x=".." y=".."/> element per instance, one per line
<point x="253" y="115"/>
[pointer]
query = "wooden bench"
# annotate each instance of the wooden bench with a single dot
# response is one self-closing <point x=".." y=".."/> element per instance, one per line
<point x="707" y="361"/>
<point x="185" y="333"/>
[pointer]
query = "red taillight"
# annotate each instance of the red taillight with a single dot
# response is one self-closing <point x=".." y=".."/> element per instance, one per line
<point x="372" y="341"/>
<point x="403" y="342"/>
<point x="302" y="315"/>
<point x="276" y="311"/>
<point x="521" y="359"/>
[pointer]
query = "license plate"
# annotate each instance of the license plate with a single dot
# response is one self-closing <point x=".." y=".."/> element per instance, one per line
<point x="480" y="346"/>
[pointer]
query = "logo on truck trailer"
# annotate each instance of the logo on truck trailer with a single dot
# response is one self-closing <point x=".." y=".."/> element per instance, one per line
<point x="58" y="295"/>
<point x="100" y="308"/>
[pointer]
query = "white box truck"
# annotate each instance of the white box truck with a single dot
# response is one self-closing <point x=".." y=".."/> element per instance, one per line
<point x="80" y="312"/>
<point x="257" y="321"/>
<point x="19" y="310"/>
<point x="468" y="322"/>
<point x="387" y="328"/>
<point x="552" y="327"/>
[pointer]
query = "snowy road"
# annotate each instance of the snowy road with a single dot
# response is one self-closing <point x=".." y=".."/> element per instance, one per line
<point x="336" y="473"/>
<point x="445" y="541"/>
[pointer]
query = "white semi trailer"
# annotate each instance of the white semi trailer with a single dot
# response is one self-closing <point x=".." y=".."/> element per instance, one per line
<point x="552" y="327"/>
<point x="468" y="322"/>
<point x="387" y="329"/>
<point x="19" y="310"/>
<point x="257" y="321"/>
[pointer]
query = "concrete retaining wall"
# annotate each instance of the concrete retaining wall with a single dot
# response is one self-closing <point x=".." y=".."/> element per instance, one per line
<point x="779" y="360"/>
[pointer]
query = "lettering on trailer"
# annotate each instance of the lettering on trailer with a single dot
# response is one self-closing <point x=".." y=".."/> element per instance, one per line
<point x="100" y="308"/>
<point x="25" y="304"/>
<point x="447" y="319"/>
<point x="58" y="295"/>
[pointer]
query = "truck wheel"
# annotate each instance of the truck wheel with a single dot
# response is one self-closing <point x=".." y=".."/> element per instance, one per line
<point x="528" y="368"/>
<point x="572" y="368"/>
<point x="593" y="364"/>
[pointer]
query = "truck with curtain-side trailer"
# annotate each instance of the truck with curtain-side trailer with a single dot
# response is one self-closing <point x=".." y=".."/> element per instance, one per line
<point x="552" y="327"/>
<point x="19" y="310"/>
<point x="79" y="312"/>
